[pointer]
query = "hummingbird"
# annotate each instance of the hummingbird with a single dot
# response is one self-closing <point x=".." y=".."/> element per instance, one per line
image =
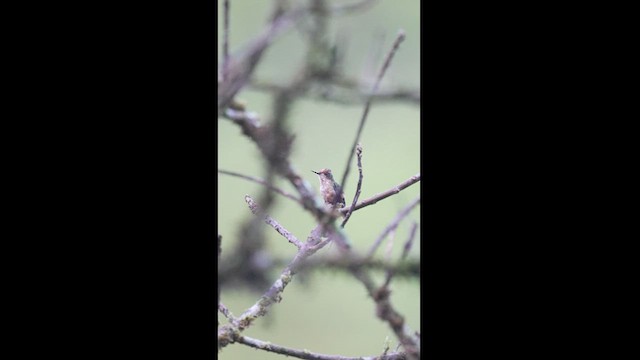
<point x="329" y="189"/>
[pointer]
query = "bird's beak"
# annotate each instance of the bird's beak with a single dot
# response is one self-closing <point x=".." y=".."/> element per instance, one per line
<point x="317" y="173"/>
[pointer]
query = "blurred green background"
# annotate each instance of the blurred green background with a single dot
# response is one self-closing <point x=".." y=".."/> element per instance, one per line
<point x="330" y="312"/>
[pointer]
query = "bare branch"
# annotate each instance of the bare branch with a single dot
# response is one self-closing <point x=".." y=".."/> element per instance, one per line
<point x="367" y="106"/>
<point x="412" y="95"/>
<point x="345" y="92"/>
<point x="396" y="44"/>
<point x="269" y="220"/>
<point x="305" y="354"/>
<point x="370" y="68"/>
<point x="408" y="269"/>
<point x="261" y="182"/>
<point x="242" y="65"/>
<point x="262" y="136"/>
<point x="230" y="333"/>
<point x="267" y="137"/>
<point x="405" y="251"/>
<point x="394" y="224"/>
<point x="407" y="245"/>
<point x="259" y="134"/>
<point x="358" y="188"/>
<point x="386" y="312"/>
<point x="385" y="194"/>
<point x="225" y="311"/>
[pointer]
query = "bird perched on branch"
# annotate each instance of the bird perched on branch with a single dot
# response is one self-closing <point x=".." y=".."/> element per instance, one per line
<point x="330" y="189"/>
<point x="333" y="197"/>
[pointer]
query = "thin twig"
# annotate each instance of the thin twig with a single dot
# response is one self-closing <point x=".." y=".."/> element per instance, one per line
<point x="367" y="106"/>
<point x="269" y="220"/>
<point x="225" y="41"/>
<point x="346" y="92"/>
<point x="409" y="243"/>
<point x="385" y="194"/>
<point x="305" y="354"/>
<point x="386" y="312"/>
<point x="390" y="94"/>
<point x="345" y="9"/>
<point x="394" y="224"/>
<point x="370" y="67"/>
<point x="261" y="182"/>
<point x="405" y="252"/>
<point x="225" y="311"/>
<point x="358" y="188"/>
